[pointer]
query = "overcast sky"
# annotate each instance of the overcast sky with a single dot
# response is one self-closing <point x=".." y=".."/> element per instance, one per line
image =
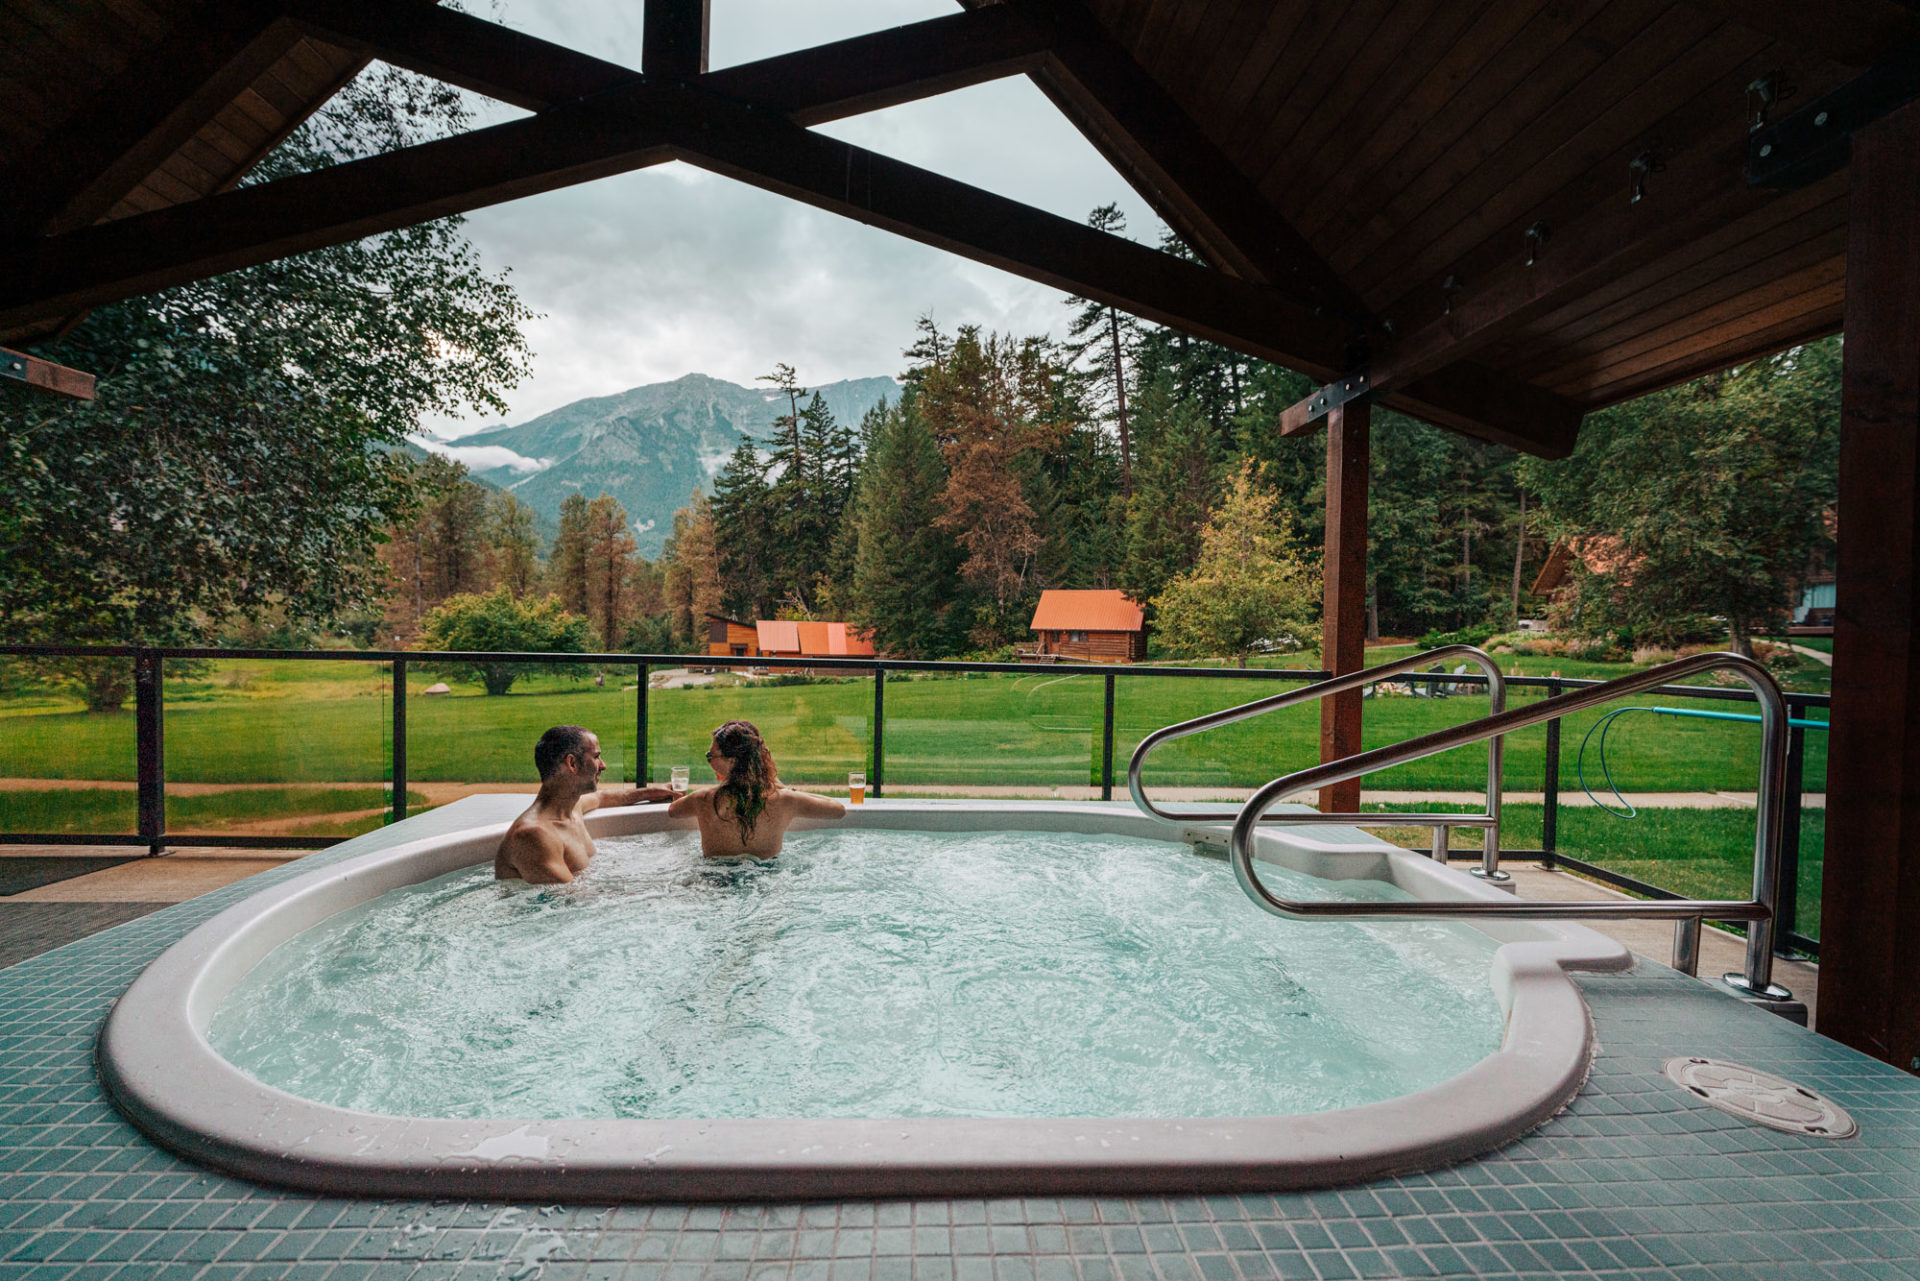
<point x="647" y="276"/>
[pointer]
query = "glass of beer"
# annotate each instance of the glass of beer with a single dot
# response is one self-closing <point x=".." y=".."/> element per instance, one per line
<point x="857" y="787"/>
<point x="677" y="780"/>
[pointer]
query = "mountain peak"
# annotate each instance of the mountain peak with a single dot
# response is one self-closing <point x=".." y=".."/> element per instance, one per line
<point x="648" y="446"/>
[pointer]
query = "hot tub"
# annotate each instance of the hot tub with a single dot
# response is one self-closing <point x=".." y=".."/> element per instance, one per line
<point x="1173" y="1103"/>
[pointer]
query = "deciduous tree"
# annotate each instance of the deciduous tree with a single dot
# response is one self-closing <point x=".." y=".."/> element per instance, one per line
<point x="499" y="622"/>
<point x="1249" y="587"/>
<point x="1715" y="491"/>
<point x="241" y="455"/>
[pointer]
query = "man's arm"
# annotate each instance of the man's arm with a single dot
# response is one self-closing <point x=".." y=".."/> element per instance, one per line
<point x="538" y="855"/>
<point x="625" y="796"/>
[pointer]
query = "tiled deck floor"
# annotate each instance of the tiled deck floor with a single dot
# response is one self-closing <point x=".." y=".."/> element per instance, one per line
<point x="1635" y="1180"/>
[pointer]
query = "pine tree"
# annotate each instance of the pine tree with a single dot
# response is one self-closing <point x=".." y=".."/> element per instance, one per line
<point x="1179" y="473"/>
<point x="993" y="405"/>
<point x="609" y="563"/>
<point x="692" y="572"/>
<point x="567" y="567"/>
<point x="515" y="544"/>
<point x="1100" y="343"/>
<point x="906" y="582"/>
<point x="743" y="532"/>
<point x="453" y="532"/>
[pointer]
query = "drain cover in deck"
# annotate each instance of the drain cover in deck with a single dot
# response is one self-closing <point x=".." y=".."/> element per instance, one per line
<point x="1762" y="1098"/>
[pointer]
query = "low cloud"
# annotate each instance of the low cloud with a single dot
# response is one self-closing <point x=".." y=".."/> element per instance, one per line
<point x="479" y="458"/>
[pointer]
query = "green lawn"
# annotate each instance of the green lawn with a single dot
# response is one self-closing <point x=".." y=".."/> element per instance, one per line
<point x="1701" y="853"/>
<point x="251" y="722"/>
<point x="92" y="809"/>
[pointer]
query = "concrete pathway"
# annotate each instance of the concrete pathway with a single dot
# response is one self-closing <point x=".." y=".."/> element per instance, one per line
<point x="1819" y="656"/>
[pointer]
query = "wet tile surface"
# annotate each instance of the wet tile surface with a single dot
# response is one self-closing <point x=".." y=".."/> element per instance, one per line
<point x="1636" y="1180"/>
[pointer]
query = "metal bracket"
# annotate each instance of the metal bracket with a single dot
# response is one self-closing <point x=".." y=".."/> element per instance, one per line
<point x="1647" y="162"/>
<point x="1297" y="417"/>
<point x="13" y="365"/>
<point x="1537" y="237"/>
<point x="1817" y="140"/>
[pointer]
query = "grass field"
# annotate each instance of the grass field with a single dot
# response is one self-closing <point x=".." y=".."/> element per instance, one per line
<point x="1701" y="853"/>
<point x="272" y="722"/>
<point x="91" y="809"/>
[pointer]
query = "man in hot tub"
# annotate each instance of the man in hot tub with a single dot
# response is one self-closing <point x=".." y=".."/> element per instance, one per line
<point x="549" y="845"/>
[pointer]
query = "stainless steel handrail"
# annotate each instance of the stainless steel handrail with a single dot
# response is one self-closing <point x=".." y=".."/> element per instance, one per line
<point x="1758" y="911"/>
<point x="1441" y="823"/>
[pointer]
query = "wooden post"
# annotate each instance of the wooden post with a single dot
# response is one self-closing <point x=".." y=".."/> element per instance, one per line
<point x="673" y="38"/>
<point x="1870" y="897"/>
<point x="1343" y="623"/>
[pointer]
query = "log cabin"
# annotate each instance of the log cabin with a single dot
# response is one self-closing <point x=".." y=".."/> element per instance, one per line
<point x="1091" y="626"/>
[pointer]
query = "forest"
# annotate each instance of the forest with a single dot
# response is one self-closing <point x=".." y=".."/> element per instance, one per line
<point x="242" y="479"/>
<point x="1128" y="456"/>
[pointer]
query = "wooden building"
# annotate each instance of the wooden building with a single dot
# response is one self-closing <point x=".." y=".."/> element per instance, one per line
<point x="729" y="636"/>
<point x="1091" y="626"/>
<point x="785" y="638"/>
<point x="1494" y="217"/>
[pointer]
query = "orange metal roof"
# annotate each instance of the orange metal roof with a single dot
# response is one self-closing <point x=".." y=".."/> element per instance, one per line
<point x="778" y="636"/>
<point x="845" y="641"/>
<point x="814" y="640"/>
<point x="1088" y="611"/>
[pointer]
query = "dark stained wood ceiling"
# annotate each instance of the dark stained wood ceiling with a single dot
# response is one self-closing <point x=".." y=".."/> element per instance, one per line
<point x="1413" y="141"/>
<point x="58" y="60"/>
<point x="1397" y="152"/>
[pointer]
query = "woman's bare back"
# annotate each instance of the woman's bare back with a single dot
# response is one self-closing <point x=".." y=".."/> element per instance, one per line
<point x="720" y="835"/>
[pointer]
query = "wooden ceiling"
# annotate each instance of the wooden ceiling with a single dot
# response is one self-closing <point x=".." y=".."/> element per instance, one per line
<point x="1368" y="180"/>
<point x="1411" y="143"/>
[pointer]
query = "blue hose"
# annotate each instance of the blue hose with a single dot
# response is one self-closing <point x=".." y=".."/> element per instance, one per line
<point x="1580" y="764"/>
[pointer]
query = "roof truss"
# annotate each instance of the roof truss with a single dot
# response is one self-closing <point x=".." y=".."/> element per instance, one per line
<point x="1267" y="293"/>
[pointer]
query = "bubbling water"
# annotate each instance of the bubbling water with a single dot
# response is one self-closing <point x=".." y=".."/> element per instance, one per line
<point x="864" y="973"/>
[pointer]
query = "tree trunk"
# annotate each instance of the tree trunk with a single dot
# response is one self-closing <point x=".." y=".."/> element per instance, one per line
<point x="1741" y="637"/>
<point x="1242" y="656"/>
<point x="1120" y="402"/>
<point x="1373" y="613"/>
<point x="1519" y="550"/>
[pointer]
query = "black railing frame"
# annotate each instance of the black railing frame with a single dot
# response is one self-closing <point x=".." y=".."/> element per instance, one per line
<point x="149" y="735"/>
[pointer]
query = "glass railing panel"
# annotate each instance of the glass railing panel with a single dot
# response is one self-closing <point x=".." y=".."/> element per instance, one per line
<point x="995" y="734"/>
<point x="276" y="747"/>
<point x="67" y="763"/>
<point x="1224" y="763"/>
<point x="819" y="727"/>
<point x="463" y="740"/>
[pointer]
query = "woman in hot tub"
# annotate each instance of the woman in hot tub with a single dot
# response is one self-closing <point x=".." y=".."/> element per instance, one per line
<point x="748" y="812"/>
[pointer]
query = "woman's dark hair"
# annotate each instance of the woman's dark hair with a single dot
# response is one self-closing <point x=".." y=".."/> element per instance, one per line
<point x="752" y="775"/>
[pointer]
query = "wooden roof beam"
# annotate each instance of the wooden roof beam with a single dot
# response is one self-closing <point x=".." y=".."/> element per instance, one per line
<point x="673" y="40"/>
<point x="828" y="82"/>
<point x="628" y="128"/>
<point x="1869" y="31"/>
<point x="44" y="375"/>
<point x="832" y="175"/>
<point x="1466" y="398"/>
<point x="166" y="95"/>
<point x="1170" y="160"/>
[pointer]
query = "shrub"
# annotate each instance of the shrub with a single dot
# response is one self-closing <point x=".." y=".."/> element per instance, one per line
<point x="497" y="621"/>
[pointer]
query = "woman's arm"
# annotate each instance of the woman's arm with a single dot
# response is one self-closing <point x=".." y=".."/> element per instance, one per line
<point x="689" y="803"/>
<point x="808" y="805"/>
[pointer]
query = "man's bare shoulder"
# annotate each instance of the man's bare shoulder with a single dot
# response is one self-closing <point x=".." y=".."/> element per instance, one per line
<point x="528" y="840"/>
